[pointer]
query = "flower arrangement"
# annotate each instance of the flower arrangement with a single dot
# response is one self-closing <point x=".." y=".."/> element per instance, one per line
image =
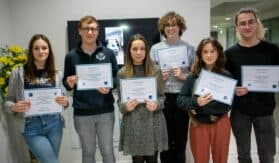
<point x="10" y="58"/>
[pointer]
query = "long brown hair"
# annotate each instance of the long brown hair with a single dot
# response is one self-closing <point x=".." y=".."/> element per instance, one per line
<point x="30" y="67"/>
<point x="219" y="65"/>
<point x="149" y="68"/>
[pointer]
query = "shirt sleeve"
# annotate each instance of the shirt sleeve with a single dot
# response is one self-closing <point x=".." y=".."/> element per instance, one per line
<point x="185" y="99"/>
<point x="69" y="69"/>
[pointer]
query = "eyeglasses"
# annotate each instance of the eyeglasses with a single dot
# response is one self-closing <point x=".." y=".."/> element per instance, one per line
<point x="171" y="26"/>
<point x="249" y="23"/>
<point x="87" y="29"/>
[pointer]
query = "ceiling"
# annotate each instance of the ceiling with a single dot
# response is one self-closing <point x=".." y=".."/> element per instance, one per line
<point x="221" y="9"/>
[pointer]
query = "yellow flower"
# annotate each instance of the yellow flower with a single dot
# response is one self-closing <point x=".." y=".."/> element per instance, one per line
<point x="5" y="91"/>
<point x="5" y="60"/>
<point x="2" y="81"/>
<point x="21" y="57"/>
<point x="15" y="66"/>
<point x="11" y="62"/>
<point x="15" y="49"/>
<point x="8" y="74"/>
<point x="10" y="58"/>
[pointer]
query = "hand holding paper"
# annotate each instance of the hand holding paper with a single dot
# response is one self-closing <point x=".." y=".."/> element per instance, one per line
<point x="140" y="89"/>
<point x="131" y="105"/>
<point x="93" y="76"/>
<point x="43" y="101"/>
<point x="260" y="78"/>
<point x="204" y="99"/>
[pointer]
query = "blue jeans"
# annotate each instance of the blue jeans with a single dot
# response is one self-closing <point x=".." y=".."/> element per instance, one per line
<point x="43" y="136"/>
<point x="264" y="128"/>
<point x="96" y="126"/>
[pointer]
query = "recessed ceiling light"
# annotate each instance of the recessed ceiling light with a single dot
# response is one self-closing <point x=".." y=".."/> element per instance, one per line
<point x="215" y="26"/>
<point x="228" y="18"/>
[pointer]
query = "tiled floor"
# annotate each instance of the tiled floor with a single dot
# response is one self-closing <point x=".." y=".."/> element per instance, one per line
<point x="71" y="153"/>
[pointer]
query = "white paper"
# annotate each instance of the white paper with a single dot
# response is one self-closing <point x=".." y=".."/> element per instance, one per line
<point x="93" y="76"/>
<point x="140" y="89"/>
<point x="173" y="57"/>
<point x="220" y="87"/>
<point x="260" y="78"/>
<point x="43" y="101"/>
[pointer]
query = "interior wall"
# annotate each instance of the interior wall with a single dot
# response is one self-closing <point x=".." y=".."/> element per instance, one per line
<point x="50" y="17"/>
<point x="5" y="39"/>
<point x="5" y="30"/>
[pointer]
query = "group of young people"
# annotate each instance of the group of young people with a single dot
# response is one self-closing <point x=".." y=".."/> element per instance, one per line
<point x="151" y="128"/>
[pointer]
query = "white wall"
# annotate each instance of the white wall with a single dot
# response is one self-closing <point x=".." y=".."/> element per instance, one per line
<point x="50" y="17"/>
<point x="27" y="17"/>
<point x="5" y="29"/>
<point x="5" y="39"/>
<point x="222" y="37"/>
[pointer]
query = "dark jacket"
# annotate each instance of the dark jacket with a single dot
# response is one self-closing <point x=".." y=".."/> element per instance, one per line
<point x="90" y="102"/>
<point x="209" y="113"/>
<point x="264" y="53"/>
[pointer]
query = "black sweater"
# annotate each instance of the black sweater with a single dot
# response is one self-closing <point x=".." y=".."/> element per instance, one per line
<point x="90" y="102"/>
<point x="264" y="53"/>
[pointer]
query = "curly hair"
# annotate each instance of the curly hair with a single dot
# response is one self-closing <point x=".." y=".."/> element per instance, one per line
<point x="174" y="18"/>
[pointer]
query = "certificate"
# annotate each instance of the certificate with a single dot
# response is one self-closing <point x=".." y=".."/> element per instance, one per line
<point x="260" y="78"/>
<point x="43" y="101"/>
<point x="220" y="87"/>
<point x="93" y="76"/>
<point x="140" y="89"/>
<point x="173" y="57"/>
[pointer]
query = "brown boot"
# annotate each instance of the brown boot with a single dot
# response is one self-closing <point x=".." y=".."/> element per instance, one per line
<point x="33" y="158"/>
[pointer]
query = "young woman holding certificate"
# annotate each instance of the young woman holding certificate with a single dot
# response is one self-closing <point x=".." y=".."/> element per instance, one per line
<point x="210" y="126"/>
<point x="143" y="128"/>
<point x="43" y="132"/>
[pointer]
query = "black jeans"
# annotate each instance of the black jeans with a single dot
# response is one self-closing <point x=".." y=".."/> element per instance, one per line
<point x="147" y="159"/>
<point x="177" y="125"/>
<point x="264" y="128"/>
